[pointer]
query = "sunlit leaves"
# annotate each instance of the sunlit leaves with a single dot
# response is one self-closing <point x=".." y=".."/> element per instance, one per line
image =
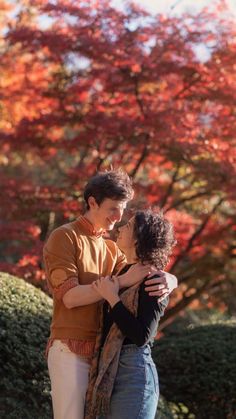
<point x="96" y="87"/>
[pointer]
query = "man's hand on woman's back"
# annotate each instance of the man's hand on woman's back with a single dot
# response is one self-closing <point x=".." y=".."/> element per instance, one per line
<point x="161" y="284"/>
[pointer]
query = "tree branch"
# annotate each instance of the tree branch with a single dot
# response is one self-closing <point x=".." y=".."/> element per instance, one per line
<point x="170" y="187"/>
<point x="187" y="199"/>
<point x="197" y="233"/>
<point x="143" y="156"/>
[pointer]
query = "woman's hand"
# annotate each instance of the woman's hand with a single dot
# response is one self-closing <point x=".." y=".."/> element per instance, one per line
<point x="108" y="288"/>
<point x="134" y="275"/>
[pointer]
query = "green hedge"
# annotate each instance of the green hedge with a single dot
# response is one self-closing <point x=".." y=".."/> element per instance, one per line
<point x="24" y="326"/>
<point x="197" y="368"/>
<point x="197" y="371"/>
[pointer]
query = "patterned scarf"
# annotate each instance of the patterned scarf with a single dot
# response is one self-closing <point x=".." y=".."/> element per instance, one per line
<point x="105" y="363"/>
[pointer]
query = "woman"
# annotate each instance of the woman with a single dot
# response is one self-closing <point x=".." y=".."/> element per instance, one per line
<point x="123" y="378"/>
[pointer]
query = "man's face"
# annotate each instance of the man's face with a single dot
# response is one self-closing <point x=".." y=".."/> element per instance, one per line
<point x="108" y="213"/>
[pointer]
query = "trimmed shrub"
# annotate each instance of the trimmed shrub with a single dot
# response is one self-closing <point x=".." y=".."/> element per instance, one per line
<point x="170" y="410"/>
<point x="197" y="370"/>
<point x="163" y="410"/>
<point x="24" y="326"/>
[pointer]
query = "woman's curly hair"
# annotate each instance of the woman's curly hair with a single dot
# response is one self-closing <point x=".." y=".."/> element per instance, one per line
<point x="154" y="238"/>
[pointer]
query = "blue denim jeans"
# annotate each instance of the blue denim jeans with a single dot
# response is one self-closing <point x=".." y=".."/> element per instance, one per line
<point x="136" y="388"/>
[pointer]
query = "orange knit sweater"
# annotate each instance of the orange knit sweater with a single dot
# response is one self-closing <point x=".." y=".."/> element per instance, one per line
<point x="73" y="255"/>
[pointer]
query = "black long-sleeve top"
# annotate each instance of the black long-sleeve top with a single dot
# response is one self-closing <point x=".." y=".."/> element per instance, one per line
<point x="139" y="330"/>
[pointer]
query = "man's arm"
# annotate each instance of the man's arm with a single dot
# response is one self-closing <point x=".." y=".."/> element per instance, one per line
<point x="62" y="271"/>
<point x="82" y="295"/>
<point x="160" y="284"/>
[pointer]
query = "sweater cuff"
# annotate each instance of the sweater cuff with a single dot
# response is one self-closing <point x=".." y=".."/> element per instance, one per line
<point x="60" y="291"/>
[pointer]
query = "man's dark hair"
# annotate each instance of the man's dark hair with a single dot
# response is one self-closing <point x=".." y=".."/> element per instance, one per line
<point x="154" y="238"/>
<point x="113" y="184"/>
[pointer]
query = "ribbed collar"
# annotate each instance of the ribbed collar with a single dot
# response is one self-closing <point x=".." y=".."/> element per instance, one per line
<point x="88" y="227"/>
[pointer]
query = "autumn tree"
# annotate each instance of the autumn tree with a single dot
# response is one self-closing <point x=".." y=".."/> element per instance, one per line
<point x="85" y="86"/>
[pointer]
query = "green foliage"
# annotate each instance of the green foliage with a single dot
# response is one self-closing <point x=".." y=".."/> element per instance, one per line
<point x="170" y="410"/>
<point x="201" y="317"/>
<point x="24" y="326"/>
<point x="163" y="410"/>
<point x="197" y="367"/>
<point x="197" y="371"/>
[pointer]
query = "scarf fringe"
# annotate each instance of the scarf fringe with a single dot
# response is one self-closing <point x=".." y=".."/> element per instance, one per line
<point x="101" y="407"/>
<point x="104" y="368"/>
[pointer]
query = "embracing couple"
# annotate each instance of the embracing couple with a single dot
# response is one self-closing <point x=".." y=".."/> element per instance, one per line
<point x="107" y="301"/>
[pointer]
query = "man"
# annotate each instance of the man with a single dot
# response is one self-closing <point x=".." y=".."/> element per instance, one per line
<point x="75" y="256"/>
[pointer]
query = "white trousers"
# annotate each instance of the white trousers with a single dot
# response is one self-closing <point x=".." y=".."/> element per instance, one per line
<point x="69" y="381"/>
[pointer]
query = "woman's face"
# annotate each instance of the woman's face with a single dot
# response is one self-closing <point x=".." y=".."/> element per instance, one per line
<point x="125" y="239"/>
